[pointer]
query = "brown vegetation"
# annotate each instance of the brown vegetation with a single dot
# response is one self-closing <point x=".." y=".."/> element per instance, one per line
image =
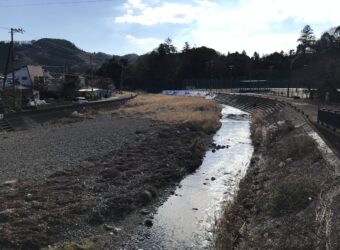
<point x="277" y="200"/>
<point x="196" y="112"/>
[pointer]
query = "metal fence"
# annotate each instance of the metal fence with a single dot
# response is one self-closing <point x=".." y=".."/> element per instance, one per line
<point x="222" y="83"/>
<point x="329" y="118"/>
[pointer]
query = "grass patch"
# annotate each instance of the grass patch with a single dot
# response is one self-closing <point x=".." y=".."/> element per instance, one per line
<point x="292" y="195"/>
<point x="196" y="112"/>
<point x="297" y="147"/>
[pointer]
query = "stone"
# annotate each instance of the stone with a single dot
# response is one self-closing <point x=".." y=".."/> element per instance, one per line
<point x="148" y="223"/>
<point x="282" y="164"/>
<point x="146" y="196"/>
<point x="10" y="182"/>
<point x="213" y="178"/>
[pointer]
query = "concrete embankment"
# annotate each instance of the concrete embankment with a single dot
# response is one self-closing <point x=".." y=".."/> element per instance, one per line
<point x="287" y="199"/>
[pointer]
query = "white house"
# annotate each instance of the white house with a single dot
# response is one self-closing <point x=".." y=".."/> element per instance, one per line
<point x="26" y="75"/>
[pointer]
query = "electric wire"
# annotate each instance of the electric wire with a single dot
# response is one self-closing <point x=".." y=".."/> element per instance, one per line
<point x="54" y="3"/>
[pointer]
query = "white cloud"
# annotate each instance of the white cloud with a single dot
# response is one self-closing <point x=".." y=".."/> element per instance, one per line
<point x="149" y="41"/>
<point x="245" y="25"/>
<point x="175" y="13"/>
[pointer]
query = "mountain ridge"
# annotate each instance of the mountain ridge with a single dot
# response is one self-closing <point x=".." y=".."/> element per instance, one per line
<point x="55" y="52"/>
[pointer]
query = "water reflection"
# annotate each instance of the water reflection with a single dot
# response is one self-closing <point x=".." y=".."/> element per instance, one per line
<point x="185" y="220"/>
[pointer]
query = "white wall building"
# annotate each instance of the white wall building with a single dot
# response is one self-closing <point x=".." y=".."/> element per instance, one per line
<point x="26" y="75"/>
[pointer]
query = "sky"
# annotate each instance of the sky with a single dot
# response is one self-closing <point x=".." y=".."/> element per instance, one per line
<point x="137" y="26"/>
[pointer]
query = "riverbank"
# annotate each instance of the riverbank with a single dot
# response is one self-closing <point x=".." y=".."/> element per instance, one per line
<point x="280" y="203"/>
<point x="89" y="200"/>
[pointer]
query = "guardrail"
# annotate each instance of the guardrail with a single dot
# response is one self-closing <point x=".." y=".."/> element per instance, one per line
<point x="71" y="107"/>
<point x="329" y="118"/>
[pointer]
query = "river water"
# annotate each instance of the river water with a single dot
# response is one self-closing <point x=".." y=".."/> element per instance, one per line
<point x="186" y="219"/>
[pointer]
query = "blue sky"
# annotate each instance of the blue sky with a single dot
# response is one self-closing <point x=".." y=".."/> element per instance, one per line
<point x="138" y="26"/>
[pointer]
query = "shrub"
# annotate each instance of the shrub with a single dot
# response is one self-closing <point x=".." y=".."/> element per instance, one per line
<point x="297" y="147"/>
<point x="257" y="122"/>
<point x="292" y="195"/>
<point x="280" y="130"/>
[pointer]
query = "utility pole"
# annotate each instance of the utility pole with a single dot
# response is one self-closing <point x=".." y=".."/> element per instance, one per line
<point x="231" y="77"/>
<point x="91" y="75"/>
<point x="13" y="58"/>
<point x="6" y="68"/>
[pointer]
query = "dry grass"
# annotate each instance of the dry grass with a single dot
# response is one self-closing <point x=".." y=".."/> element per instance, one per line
<point x="297" y="147"/>
<point x="196" y="112"/>
<point x="256" y="127"/>
<point x="293" y="194"/>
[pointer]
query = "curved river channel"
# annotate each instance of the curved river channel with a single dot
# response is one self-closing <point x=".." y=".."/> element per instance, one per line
<point x="186" y="219"/>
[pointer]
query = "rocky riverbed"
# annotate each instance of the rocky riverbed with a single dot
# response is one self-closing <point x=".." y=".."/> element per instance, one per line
<point x="89" y="181"/>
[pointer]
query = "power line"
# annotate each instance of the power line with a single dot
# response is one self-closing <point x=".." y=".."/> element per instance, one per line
<point x="5" y="28"/>
<point x="54" y="3"/>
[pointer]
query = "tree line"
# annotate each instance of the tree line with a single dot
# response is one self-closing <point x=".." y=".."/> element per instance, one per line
<point x="314" y="63"/>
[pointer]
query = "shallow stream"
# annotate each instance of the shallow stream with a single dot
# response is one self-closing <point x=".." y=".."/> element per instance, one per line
<point x="186" y="219"/>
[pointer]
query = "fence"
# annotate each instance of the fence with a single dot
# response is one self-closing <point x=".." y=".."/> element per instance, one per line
<point x="106" y="103"/>
<point x="329" y="118"/>
<point x="239" y="84"/>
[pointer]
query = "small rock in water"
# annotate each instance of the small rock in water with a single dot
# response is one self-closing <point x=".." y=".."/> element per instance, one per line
<point x="205" y="183"/>
<point x="172" y="192"/>
<point x="213" y="178"/>
<point x="148" y="223"/>
<point x="195" y="209"/>
<point x="213" y="150"/>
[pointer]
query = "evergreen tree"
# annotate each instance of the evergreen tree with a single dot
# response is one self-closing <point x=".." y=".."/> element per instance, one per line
<point x="306" y="40"/>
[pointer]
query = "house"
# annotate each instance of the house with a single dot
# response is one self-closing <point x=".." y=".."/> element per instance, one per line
<point x="28" y="76"/>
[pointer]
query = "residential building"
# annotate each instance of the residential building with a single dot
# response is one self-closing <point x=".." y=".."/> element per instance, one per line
<point x="27" y="76"/>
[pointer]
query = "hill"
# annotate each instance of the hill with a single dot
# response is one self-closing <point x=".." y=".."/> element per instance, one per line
<point x="52" y="52"/>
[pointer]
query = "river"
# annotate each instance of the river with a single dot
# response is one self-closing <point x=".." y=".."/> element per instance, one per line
<point x="186" y="219"/>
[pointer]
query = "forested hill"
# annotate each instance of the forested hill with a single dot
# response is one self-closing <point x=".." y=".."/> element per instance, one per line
<point x="52" y="52"/>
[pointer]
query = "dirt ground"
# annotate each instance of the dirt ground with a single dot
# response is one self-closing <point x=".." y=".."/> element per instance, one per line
<point x="83" y="202"/>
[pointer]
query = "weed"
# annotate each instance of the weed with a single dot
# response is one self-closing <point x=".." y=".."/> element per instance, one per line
<point x="297" y="147"/>
<point x="257" y="123"/>
<point x="292" y="195"/>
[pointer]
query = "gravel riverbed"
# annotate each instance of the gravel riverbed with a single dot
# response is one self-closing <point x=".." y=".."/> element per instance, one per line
<point x="38" y="152"/>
